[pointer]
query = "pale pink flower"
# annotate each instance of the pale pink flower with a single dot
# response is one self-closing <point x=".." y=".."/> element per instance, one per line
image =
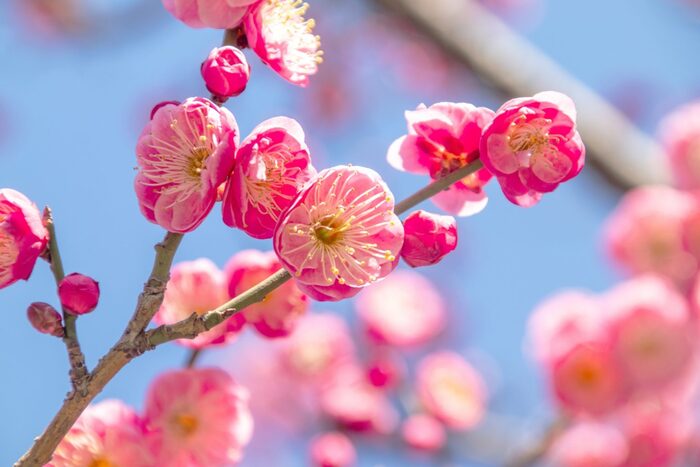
<point x="45" y="319"/>
<point x="225" y="72"/>
<point x="198" y="287"/>
<point x="197" y="417"/>
<point x="679" y="133"/>
<point x="451" y="390"/>
<point x="340" y="234"/>
<point x="217" y="14"/>
<point x="272" y="165"/>
<point x="79" y="294"/>
<point x="441" y="139"/>
<point x="403" y="310"/>
<point x="589" y="444"/>
<point x="428" y="238"/>
<point x="532" y="146"/>
<point x="283" y="39"/>
<point x="424" y="432"/>
<point x="277" y="314"/>
<point x="107" y="434"/>
<point x="332" y="449"/>
<point x="184" y="153"/>
<point x="646" y="233"/>
<point x="23" y="236"/>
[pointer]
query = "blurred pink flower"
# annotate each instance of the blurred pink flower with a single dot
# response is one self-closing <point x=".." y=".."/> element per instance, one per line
<point x="424" y="432"/>
<point x="428" y="238"/>
<point x="385" y="370"/>
<point x="272" y="165"/>
<point x="45" y="319"/>
<point x="532" y="146"/>
<point x="332" y="449"/>
<point x="79" y="293"/>
<point x="589" y="444"/>
<point x="225" y="72"/>
<point x="217" y="14"/>
<point x="106" y="434"/>
<point x="277" y="314"/>
<point x="679" y="133"/>
<point x="184" y="153"/>
<point x="197" y="417"/>
<point x="283" y="39"/>
<point x="198" y="287"/>
<point x="23" y="236"/>
<point x="451" y="390"/>
<point x="340" y="234"/>
<point x="442" y="138"/>
<point x="403" y="310"/>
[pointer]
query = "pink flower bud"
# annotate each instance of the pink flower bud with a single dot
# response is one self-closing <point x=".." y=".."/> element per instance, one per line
<point x="45" y="319"/>
<point x="428" y="238"/>
<point x="225" y="72"/>
<point x="424" y="432"/>
<point x="79" y="294"/>
<point x="332" y="449"/>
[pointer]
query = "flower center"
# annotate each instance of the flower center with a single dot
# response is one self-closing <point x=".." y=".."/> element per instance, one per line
<point x="100" y="462"/>
<point x="284" y="23"/>
<point x="530" y="136"/>
<point x="198" y="157"/>
<point x="588" y="375"/>
<point x="8" y="250"/>
<point x="330" y="228"/>
<point x="186" y="423"/>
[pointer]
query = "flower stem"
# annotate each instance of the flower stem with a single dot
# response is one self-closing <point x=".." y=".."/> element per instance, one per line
<point x="192" y="358"/>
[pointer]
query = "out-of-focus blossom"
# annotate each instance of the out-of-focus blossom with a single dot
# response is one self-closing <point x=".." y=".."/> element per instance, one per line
<point x="23" y="236"/>
<point x="424" y="432"/>
<point x="680" y="135"/>
<point x="278" y="313"/>
<point x="198" y="287"/>
<point x="184" y="154"/>
<point x="332" y="449"/>
<point x="197" y="417"/>
<point x="225" y="72"/>
<point x="272" y="165"/>
<point x="428" y="238"/>
<point x="403" y="310"/>
<point x="589" y="444"/>
<point x="106" y="434"/>
<point x="79" y="294"/>
<point x="45" y="319"/>
<point x="441" y="139"/>
<point x="451" y="390"/>
<point x="645" y="233"/>
<point x="340" y="234"/>
<point x="532" y="146"/>
<point x="217" y="14"/>
<point x="385" y="370"/>
<point x="283" y="39"/>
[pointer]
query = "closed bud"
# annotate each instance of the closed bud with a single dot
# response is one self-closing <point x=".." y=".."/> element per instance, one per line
<point x="79" y="294"/>
<point x="225" y="72"/>
<point x="45" y="319"/>
<point x="428" y="238"/>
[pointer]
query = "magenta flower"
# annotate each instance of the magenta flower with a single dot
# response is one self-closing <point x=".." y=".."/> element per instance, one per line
<point x="23" y="237"/>
<point x="184" y="153"/>
<point x="532" y="146"/>
<point x="272" y="165"/>
<point x="79" y="294"/>
<point x="198" y="287"/>
<point x="424" y="432"/>
<point x="428" y="238"/>
<point x="283" y="39"/>
<point x="45" y="319"/>
<point x="332" y="449"/>
<point x="680" y="135"/>
<point x="589" y="444"/>
<point x="225" y="72"/>
<point x="277" y="315"/>
<point x="197" y="417"/>
<point x="106" y="434"/>
<point x="217" y="14"/>
<point x="340" y="234"/>
<point x="442" y="138"/>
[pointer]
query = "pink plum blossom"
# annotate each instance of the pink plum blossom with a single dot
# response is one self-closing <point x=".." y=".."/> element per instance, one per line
<point x="272" y="165"/>
<point x="45" y="319"/>
<point x="277" y="315"/>
<point x="332" y="449"/>
<point x="225" y="72"/>
<point x="184" y="154"/>
<point x="385" y="370"/>
<point x="79" y="294"/>
<point x="679" y="133"/>
<point x="424" y="432"/>
<point x="107" y="434"/>
<point x="340" y="234"/>
<point x="532" y="146"/>
<point x="428" y="238"/>
<point x="217" y="14"/>
<point x="589" y="444"/>
<point x="283" y="39"/>
<point x="23" y="237"/>
<point x="403" y="310"/>
<point x="197" y="417"/>
<point x="451" y="390"/>
<point x="441" y="139"/>
<point x="198" y="287"/>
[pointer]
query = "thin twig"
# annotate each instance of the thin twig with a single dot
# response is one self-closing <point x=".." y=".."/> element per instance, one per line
<point x="193" y="357"/>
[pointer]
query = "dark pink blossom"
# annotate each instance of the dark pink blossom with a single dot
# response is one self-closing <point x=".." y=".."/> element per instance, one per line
<point x="428" y="238"/>
<point x="79" y="294"/>
<point x="225" y="72"/>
